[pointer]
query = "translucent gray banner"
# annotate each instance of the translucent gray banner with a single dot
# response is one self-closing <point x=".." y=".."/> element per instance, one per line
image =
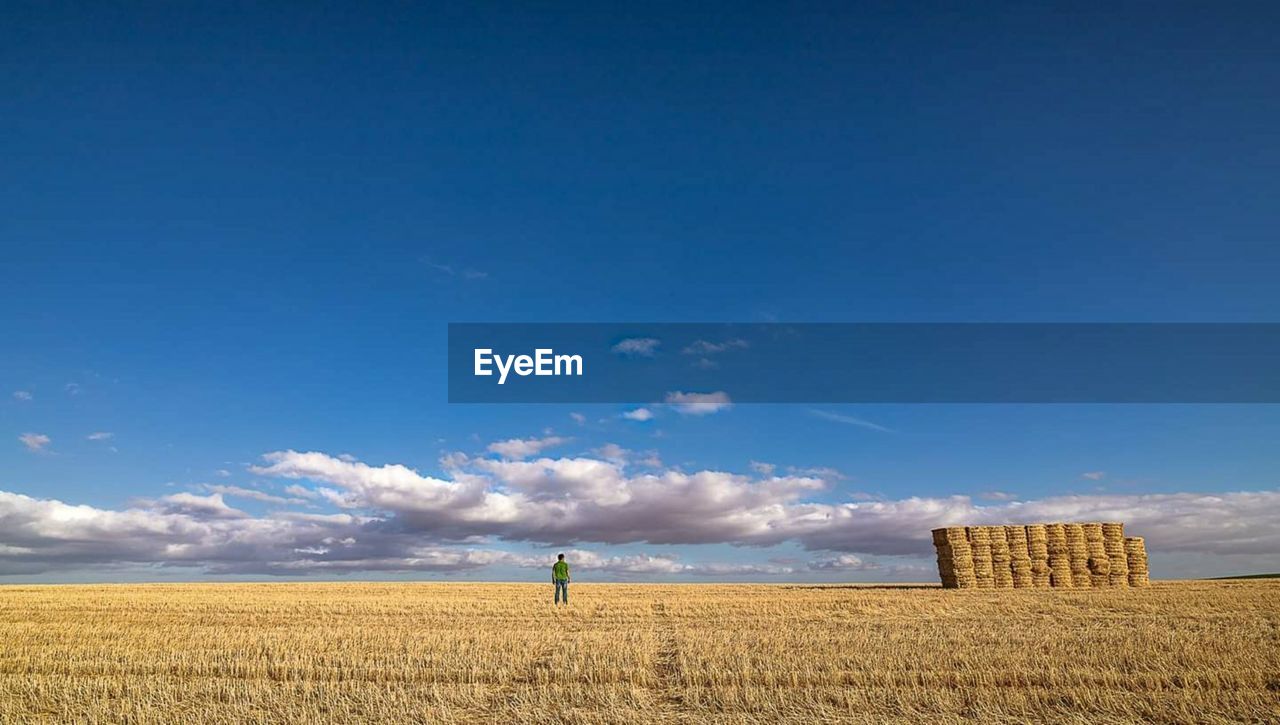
<point x="716" y="363"/>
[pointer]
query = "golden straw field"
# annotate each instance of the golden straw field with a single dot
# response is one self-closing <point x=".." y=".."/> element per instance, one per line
<point x="461" y="652"/>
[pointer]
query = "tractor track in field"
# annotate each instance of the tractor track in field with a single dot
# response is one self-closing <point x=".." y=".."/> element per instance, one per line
<point x="666" y="660"/>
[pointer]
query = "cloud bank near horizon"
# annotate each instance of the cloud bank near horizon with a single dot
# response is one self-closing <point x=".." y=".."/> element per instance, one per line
<point x="392" y="518"/>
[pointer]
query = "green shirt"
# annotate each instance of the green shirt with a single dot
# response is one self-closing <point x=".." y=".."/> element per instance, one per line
<point x="560" y="571"/>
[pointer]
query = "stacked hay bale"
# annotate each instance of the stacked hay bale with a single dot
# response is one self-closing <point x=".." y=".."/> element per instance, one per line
<point x="1038" y="550"/>
<point x="1059" y="558"/>
<point x="1113" y="542"/>
<point x="1001" y="569"/>
<point x="1062" y="556"/>
<point x="1078" y="552"/>
<point x="980" y="543"/>
<point x="1099" y="562"/>
<point x="1135" y="550"/>
<point x="1019" y="556"/>
<point x="955" y="558"/>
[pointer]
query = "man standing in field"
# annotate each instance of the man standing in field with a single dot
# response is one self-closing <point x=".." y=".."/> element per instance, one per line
<point x="560" y="578"/>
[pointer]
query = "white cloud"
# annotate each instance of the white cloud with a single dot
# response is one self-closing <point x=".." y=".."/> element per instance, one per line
<point x="294" y="489"/>
<point x="252" y="493"/>
<point x="35" y="442"/>
<point x="578" y="418"/>
<point x="397" y="519"/>
<point x="222" y="473"/>
<point x="1243" y="522"/>
<point x="23" y="395"/>
<point x="72" y="388"/>
<point x="849" y="420"/>
<point x="826" y="473"/>
<point x="613" y="453"/>
<point x="100" y="436"/>
<point x="702" y="347"/>
<point x="1094" y="475"/>
<point x="558" y="501"/>
<point x="198" y="507"/>
<point x="639" y="414"/>
<point x="637" y="346"/>
<point x="764" y="469"/>
<point x="997" y="495"/>
<point x="585" y="499"/>
<point x="843" y="562"/>
<point x="201" y="531"/>
<point x="698" y="403"/>
<point x="519" y="448"/>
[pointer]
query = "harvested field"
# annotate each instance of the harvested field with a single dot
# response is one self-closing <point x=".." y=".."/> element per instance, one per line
<point x="1172" y="652"/>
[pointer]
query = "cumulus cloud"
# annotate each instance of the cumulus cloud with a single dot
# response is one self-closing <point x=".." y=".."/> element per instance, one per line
<point x="826" y="473"/>
<point x="100" y="436"/>
<point x="559" y="500"/>
<point x="639" y="414"/>
<point x="844" y="562"/>
<point x="294" y="489"/>
<point x="518" y="448"/>
<point x="23" y="395"/>
<point x="391" y="517"/>
<point x="637" y="346"/>
<point x="698" y="403"/>
<point x="35" y="442"/>
<point x="254" y="494"/>
<point x="651" y="459"/>
<point x="578" y="418"/>
<point x="187" y="530"/>
<point x="1094" y="475"/>
<point x="1242" y="522"/>
<point x="613" y="453"/>
<point x="199" y="507"/>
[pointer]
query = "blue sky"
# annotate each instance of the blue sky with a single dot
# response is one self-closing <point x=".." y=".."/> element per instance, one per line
<point x="229" y="231"/>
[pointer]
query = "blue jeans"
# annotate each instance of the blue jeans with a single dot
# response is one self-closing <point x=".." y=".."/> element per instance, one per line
<point x="562" y="586"/>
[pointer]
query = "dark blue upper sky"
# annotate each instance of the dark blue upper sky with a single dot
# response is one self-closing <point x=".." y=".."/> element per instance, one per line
<point x="242" y="227"/>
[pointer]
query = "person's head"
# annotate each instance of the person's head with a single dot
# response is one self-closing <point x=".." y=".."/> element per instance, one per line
<point x="560" y="557"/>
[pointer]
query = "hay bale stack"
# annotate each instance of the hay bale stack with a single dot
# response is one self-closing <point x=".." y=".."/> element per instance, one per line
<point x="1113" y="542"/>
<point x="980" y="543"/>
<point x="1038" y="550"/>
<point x="1001" y="568"/>
<point x="1099" y="562"/>
<point x="1078" y="552"/>
<point x="1019" y="556"/>
<point x="1059" y="558"/>
<point x="1135" y="550"/>
<point x="955" y="558"/>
